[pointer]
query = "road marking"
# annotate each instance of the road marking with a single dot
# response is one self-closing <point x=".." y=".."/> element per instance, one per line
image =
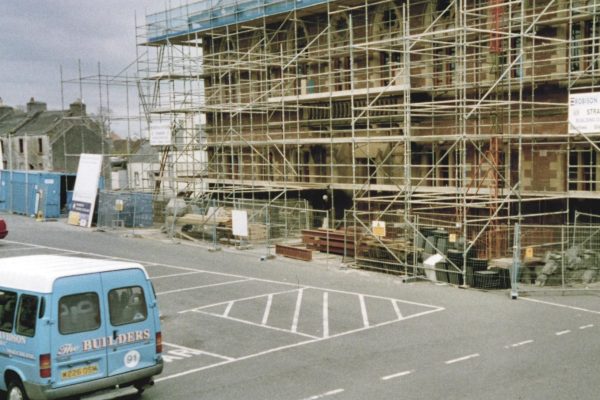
<point x="203" y="286"/>
<point x="228" y="309"/>
<point x="258" y="296"/>
<point x="399" y="374"/>
<point x="290" y="346"/>
<point x="363" y="310"/>
<point x="560" y="305"/>
<point x="586" y="326"/>
<point x="297" y="311"/>
<point x="243" y="321"/>
<point x="325" y="314"/>
<point x="176" y="275"/>
<point x="320" y="396"/>
<point x="462" y="358"/>
<point x="523" y="343"/>
<point x="396" y="308"/>
<point x="241" y="278"/>
<point x="563" y="332"/>
<point x="265" y="317"/>
<point x="186" y="352"/>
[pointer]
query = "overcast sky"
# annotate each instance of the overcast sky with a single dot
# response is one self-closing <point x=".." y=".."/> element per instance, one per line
<point x="38" y="36"/>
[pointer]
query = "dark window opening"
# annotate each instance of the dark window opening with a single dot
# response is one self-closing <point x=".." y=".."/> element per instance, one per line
<point x="27" y="315"/>
<point x="78" y="313"/>
<point x="127" y="305"/>
<point x="8" y="306"/>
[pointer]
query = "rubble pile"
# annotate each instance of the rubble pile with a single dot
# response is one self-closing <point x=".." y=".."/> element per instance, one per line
<point x="581" y="266"/>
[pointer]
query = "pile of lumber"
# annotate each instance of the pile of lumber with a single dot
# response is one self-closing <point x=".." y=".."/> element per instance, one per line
<point x="334" y="241"/>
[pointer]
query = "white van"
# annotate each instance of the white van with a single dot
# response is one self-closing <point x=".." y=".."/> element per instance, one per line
<point x="71" y="326"/>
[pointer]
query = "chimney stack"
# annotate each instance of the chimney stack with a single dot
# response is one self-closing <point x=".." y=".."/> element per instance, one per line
<point x="35" y="106"/>
<point x="77" y="108"/>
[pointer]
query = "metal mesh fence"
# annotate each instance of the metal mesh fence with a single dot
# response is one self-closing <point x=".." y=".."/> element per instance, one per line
<point x="266" y="222"/>
<point x="125" y="210"/>
<point x="551" y="257"/>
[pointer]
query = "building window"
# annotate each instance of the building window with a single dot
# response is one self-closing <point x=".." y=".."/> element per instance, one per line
<point x="21" y="146"/>
<point x="585" y="45"/>
<point x="443" y="66"/>
<point x="576" y="47"/>
<point x="136" y="178"/>
<point x="40" y="144"/>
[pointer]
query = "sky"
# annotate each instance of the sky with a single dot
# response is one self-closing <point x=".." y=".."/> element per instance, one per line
<point x="37" y="37"/>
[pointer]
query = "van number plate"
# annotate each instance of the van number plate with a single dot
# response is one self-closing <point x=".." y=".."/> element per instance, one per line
<point x="78" y="372"/>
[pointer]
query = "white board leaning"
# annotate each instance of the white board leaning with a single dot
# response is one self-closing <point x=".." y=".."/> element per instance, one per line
<point x="584" y="113"/>
<point x="86" y="188"/>
<point x="239" y="222"/>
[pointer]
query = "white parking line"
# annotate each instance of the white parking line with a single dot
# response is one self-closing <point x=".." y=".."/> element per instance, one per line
<point x="326" y="394"/>
<point x="202" y="287"/>
<point x="560" y="305"/>
<point x="325" y="314"/>
<point x="267" y="309"/>
<point x="560" y="333"/>
<point x="243" y="321"/>
<point x="398" y="375"/>
<point x="586" y="326"/>
<point x="196" y="351"/>
<point x="465" y="358"/>
<point x="228" y="309"/>
<point x="176" y="275"/>
<point x="363" y="310"/>
<point x="297" y="311"/>
<point x="396" y="308"/>
<point x="236" y="300"/>
<point x="523" y="343"/>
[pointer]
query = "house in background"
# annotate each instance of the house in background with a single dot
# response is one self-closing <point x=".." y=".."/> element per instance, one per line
<point x="135" y="166"/>
<point x="39" y="139"/>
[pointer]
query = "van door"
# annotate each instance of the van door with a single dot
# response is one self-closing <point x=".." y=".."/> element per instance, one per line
<point x="79" y="336"/>
<point x="130" y="321"/>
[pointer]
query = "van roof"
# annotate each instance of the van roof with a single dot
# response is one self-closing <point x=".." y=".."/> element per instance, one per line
<point x="37" y="273"/>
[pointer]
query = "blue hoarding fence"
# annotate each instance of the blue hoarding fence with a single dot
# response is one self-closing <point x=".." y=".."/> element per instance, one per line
<point x="33" y="193"/>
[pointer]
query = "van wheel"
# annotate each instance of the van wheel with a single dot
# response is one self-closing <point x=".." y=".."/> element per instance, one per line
<point x="16" y="391"/>
<point x="140" y="389"/>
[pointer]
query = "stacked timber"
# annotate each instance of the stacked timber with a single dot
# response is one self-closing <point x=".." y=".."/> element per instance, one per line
<point x="334" y="241"/>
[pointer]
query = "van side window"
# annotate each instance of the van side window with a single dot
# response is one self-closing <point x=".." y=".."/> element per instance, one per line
<point x="27" y="315"/>
<point x="127" y="305"/>
<point x="8" y="305"/>
<point x="78" y="313"/>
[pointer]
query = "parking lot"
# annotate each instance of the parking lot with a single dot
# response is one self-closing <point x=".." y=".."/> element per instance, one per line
<point x="274" y="315"/>
<point x="237" y="327"/>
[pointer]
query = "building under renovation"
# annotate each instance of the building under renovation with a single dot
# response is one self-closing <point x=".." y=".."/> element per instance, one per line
<point x="426" y="126"/>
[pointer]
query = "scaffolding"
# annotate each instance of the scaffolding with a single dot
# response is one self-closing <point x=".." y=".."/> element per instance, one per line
<point x="445" y="114"/>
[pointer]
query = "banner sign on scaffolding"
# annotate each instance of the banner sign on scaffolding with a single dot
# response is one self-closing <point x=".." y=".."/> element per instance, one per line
<point x="584" y="113"/>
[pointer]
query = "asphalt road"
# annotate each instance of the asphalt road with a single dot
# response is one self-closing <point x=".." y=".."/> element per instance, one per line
<point x="236" y="327"/>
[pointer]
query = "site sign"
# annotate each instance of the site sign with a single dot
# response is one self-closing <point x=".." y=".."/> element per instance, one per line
<point x="86" y="189"/>
<point x="584" y="113"/>
<point x="160" y="134"/>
